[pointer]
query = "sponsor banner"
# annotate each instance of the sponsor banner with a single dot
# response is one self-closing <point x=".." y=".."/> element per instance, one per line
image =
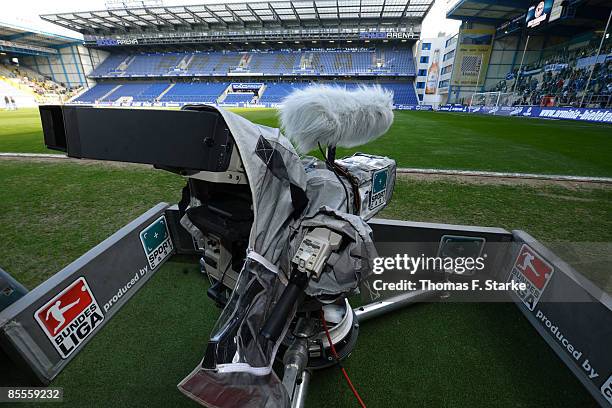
<point x="385" y="35"/>
<point x="433" y="74"/>
<point x="413" y="107"/>
<point x="572" y="315"/>
<point x="52" y="323"/>
<point x="112" y="42"/>
<point x="453" y="108"/>
<point x="472" y="56"/>
<point x="580" y="114"/>
<point x="247" y="86"/>
<point x="156" y="242"/>
<point x="378" y="193"/>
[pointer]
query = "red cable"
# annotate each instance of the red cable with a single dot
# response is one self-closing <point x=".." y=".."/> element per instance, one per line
<point x="337" y="357"/>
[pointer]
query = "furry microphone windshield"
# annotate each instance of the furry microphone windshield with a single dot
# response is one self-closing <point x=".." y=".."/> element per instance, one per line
<point x="335" y="116"/>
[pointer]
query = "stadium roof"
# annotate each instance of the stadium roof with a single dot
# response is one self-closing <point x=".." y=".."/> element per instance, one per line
<point x="296" y="13"/>
<point x="488" y="11"/>
<point x="508" y="16"/>
<point x="33" y="42"/>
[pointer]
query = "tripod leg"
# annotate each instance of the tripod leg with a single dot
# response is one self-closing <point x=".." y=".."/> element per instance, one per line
<point x="299" y="397"/>
<point x="381" y="307"/>
<point x="295" y="375"/>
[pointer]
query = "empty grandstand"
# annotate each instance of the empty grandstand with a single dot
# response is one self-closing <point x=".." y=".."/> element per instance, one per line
<point x="248" y="54"/>
<point x="333" y="62"/>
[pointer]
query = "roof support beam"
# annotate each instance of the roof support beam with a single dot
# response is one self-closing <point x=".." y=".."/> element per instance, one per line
<point x="295" y="13"/>
<point x="275" y="15"/>
<point x="254" y="14"/>
<point x="81" y="26"/>
<point x="159" y="18"/>
<point x="215" y="15"/>
<point x="314" y="5"/>
<point x="182" y="20"/>
<point x="127" y="23"/>
<point x="405" y="10"/>
<point x="108" y="21"/>
<point x="197" y="18"/>
<point x="139" y="18"/>
<point x="383" y="9"/>
<point x="236" y="16"/>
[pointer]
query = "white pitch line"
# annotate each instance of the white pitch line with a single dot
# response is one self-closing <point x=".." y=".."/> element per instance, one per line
<point x="493" y="174"/>
<point x="35" y="155"/>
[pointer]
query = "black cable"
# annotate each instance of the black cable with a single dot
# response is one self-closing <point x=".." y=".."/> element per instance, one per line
<point x="331" y="167"/>
<point x="225" y="271"/>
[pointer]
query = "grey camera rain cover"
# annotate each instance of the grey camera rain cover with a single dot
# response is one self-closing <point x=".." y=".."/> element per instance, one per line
<point x="236" y="370"/>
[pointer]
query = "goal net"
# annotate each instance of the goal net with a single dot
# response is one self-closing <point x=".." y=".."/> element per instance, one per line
<point x="493" y="99"/>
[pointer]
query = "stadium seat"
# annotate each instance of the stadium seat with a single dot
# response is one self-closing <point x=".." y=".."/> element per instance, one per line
<point x="220" y="63"/>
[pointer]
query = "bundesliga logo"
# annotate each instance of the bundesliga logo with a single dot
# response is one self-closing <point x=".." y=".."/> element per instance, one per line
<point x="70" y="317"/>
<point x="533" y="270"/>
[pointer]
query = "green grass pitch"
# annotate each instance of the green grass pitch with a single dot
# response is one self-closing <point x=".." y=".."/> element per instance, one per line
<point x="431" y="140"/>
<point x="428" y="355"/>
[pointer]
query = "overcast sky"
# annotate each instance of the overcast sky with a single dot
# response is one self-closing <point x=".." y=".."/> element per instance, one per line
<point x="25" y="13"/>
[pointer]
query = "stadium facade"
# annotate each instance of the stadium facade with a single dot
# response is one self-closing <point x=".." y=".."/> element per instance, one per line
<point x="434" y="62"/>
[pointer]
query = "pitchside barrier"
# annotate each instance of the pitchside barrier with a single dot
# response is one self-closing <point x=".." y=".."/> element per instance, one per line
<point x="43" y="330"/>
<point x="123" y="103"/>
<point x="578" y="114"/>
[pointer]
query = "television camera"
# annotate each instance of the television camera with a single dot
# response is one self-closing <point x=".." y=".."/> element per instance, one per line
<point x="283" y="238"/>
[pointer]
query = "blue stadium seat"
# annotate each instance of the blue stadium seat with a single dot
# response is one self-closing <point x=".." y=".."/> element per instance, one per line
<point x="382" y="61"/>
<point x="245" y="97"/>
<point x="186" y="92"/>
<point x="275" y="92"/>
<point x="209" y="92"/>
<point x="94" y="94"/>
